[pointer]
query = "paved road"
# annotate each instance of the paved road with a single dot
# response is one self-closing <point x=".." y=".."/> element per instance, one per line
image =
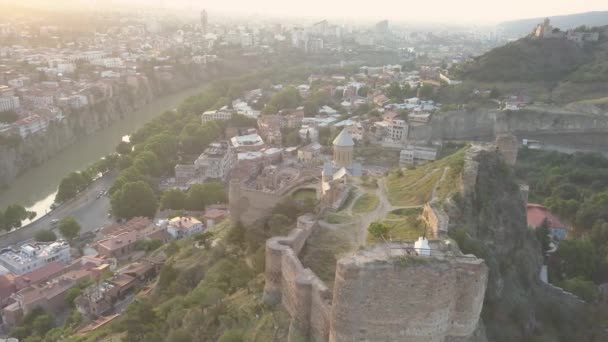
<point x="91" y="212"/>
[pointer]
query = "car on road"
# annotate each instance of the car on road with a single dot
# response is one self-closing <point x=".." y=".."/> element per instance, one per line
<point x="54" y="222"/>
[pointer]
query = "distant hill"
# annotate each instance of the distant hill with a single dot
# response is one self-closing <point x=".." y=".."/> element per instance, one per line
<point x="518" y="28"/>
<point x="548" y="60"/>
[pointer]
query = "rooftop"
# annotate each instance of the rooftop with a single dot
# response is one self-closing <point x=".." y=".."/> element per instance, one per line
<point x="344" y="139"/>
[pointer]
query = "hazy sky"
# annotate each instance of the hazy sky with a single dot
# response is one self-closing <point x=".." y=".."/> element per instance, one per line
<point x="462" y="11"/>
<point x="448" y="11"/>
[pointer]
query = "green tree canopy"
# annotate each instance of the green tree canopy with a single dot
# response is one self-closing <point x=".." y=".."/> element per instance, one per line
<point x="13" y="216"/>
<point x="173" y="199"/>
<point x="378" y="230"/>
<point x="71" y="185"/>
<point x="45" y="236"/>
<point x="134" y="199"/>
<point x="69" y="227"/>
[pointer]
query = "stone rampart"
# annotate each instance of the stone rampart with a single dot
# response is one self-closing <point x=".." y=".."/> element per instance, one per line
<point x="249" y="205"/>
<point x="408" y="298"/>
<point x="305" y="297"/>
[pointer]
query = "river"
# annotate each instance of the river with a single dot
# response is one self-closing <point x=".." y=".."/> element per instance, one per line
<point x="36" y="188"/>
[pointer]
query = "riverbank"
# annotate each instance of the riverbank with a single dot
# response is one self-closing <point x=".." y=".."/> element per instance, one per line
<point x="36" y="188"/>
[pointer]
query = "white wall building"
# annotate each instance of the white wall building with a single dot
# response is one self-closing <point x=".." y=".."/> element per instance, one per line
<point x="31" y="125"/>
<point x="30" y="257"/>
<point x="8" y="103"/>
<point x="415" y="153"/>
<point x="223" y="114"/>
<point x="183" y="227"/>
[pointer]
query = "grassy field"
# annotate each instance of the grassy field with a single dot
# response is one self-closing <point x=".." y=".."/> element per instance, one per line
<point x="366" y="203"/>
<point x="415" y="187"/>
<point x="338" y="218"/>
<point x="325" y="247"/>
<point x="304" y="194"/>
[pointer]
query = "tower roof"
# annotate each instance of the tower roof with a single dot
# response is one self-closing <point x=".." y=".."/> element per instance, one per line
<point x="344" y="139"/>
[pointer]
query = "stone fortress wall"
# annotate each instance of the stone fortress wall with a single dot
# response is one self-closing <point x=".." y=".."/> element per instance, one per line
<point x="375" y="298"/>
<point x="249" y="205"/>
<point x="380" y="298"/>
<point x="305" y="297"/>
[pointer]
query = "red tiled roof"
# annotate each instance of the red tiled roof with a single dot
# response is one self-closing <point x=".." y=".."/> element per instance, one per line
<point x="537" y="213"/>
<point x="41" y="274"/>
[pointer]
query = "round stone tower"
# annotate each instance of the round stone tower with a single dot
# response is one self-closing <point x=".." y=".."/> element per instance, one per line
<point x="343" y="149"/>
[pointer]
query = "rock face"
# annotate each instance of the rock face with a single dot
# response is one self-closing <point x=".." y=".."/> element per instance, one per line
<point x="486" y="124"/>
<point x="489" y="220"/>
<point x="34" y="150"/>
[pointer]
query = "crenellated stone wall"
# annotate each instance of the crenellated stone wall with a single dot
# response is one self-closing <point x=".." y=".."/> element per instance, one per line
<point x="305" y="297"/>
<point x="378" y="295"/>
<point x="382" y="297"/>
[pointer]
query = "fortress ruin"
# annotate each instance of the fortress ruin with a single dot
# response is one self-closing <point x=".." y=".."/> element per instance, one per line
<point x="387" y="292"/>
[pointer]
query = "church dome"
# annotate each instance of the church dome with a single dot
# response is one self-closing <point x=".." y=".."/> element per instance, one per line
<point x="344" y="139"/>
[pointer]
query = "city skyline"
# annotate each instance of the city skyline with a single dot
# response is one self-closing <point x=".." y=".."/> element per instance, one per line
<point x="475" y="12"/>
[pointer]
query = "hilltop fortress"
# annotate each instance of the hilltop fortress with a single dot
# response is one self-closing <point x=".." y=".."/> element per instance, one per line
<point x="393" y="291"/>
<point x="388" y="292"/>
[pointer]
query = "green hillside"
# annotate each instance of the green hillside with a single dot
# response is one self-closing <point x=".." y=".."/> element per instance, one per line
<point x="548" y="60"/>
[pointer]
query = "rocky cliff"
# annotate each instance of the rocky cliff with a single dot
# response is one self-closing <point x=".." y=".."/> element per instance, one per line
<point x="77" y="124"/>
<point x="489" y="220"/>
<point x="485" y="124"/>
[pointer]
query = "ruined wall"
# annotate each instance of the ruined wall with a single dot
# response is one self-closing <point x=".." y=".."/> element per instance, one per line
<point x="305" y="297"/>
<point x="436" y="220"/>
<point x="414" y="299"/>
<point x="248" y="205"/>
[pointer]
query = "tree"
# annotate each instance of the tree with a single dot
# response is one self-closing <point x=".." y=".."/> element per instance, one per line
<point x="494" y="93"/>
<point x="134" y="199"/>
<point x="581" y="287"/>
<point x="13" y="216"/>
<point x="69" y="227"/>
<point x="426" y="91"/>
<point x="173" y="199"/>
<point x="378" y="230"/>
<point x="71" y="185"/>
<point x="278" y="224"/>
<point x="45" y="236"/>
<point x="577" y="258"/>
<point x="542" y="235"/>
<point x="201" y="195"/>
<point x="71" y="294"/>
<point x="123" y="148"/>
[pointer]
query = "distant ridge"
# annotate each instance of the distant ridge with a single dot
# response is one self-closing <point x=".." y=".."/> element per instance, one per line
<point x="518" y="28"/>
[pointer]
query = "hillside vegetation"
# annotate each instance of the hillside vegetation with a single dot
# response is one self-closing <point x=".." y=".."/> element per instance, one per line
<point x="543" y="60"/>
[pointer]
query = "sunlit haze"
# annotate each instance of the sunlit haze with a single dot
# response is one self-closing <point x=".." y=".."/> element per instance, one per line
<point x="437" y="11"/>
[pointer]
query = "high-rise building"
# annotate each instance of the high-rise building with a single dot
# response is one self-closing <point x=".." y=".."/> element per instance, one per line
<point x="204" y="22"/>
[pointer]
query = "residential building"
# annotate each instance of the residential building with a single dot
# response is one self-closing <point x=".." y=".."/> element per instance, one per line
<point x="309" y="153"/>
<point x="184" y="173"/>
<point x="249" y="142"/>
<point x="183" y="227"/>
<point x="216" y="161"/>
<point x="270" y="128"/>
<point x="222" y="114"/>
<point x="121" y="239"/>
<point x="397" y="131"/>
<point x="8" y="103"/>
<point x="31" y="125"/>
<point x="412" y="154"/>
<point x="32" y="256"/>
<point x="537" y="215"/>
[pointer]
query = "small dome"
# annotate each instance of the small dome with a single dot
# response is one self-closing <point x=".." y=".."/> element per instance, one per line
<point x="344" y="139"/>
